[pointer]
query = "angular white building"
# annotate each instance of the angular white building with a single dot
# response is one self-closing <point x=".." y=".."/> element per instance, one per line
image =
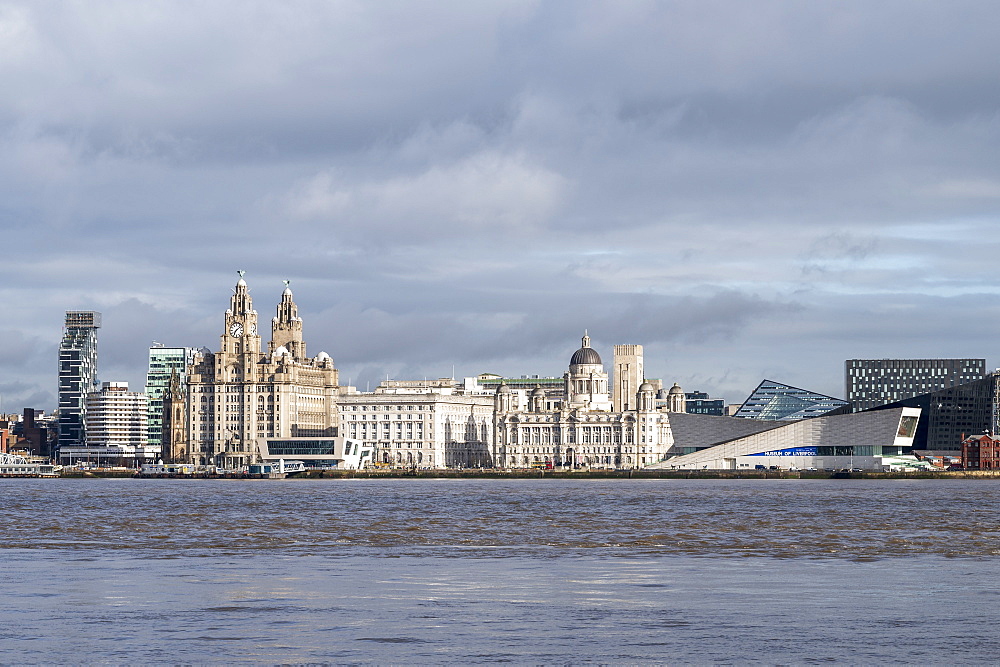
<point x="865" y="440"/>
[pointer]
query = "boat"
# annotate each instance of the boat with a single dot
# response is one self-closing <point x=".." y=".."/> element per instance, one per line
<point x="15" y="465"/>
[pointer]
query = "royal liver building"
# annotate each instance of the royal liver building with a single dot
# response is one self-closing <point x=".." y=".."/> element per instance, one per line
<point x="242" y="395"/>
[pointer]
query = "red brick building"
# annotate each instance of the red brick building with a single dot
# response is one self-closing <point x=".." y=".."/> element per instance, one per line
<point x="981" y="452"/>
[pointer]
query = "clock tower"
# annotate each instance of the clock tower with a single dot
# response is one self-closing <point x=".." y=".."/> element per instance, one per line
<point x="241" y="396"/>
<point x="240" y="336"/>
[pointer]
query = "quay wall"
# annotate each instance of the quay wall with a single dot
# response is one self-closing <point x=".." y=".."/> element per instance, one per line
<point x="593" y="474"/>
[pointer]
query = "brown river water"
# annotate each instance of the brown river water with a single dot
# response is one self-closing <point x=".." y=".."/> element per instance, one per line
<point x="422" y="571"/>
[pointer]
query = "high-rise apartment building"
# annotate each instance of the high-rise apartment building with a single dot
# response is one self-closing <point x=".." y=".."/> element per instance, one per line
<point x="116" y="417"/>
<point x="870" y="383"/>
<point x="164" y="362"/>
<point x="77" y="373"/>
<point x="115" y="421"/>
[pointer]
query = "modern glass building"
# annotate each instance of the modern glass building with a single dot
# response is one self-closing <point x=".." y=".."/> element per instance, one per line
<point x="774" y="401"/>
<point x="77" y="373"/>
<point x="869" y="383"/>
<point x="163" y="363"/>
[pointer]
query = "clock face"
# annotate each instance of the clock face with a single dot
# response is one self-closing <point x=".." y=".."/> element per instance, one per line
<point x="236" y="329"/>
<point x="253" y="329"/>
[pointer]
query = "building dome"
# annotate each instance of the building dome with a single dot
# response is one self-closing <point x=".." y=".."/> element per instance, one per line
<point x="645" y="386"/>
<point x="538" y="391"/>
<point x="676" y="389"/>
<point x="503" y="388"/>
<point x="586" y="354"/>
<point x="322" y="356"/>
<point x="282" y="351"/>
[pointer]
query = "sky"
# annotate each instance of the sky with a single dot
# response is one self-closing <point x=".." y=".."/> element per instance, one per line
<point x="749" y="190"/>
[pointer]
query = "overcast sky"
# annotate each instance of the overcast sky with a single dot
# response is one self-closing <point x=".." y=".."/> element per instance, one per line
<point x="748" y="189"/>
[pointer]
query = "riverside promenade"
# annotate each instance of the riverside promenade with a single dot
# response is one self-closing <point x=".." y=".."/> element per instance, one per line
<point x="397" y="473"/>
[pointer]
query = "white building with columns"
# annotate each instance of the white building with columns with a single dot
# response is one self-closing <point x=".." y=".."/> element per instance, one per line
<point x="587" y="429"/>
<point x="420" y="427"/>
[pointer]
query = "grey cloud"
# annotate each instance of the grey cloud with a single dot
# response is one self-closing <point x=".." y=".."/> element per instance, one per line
<point x="740" y="187"/>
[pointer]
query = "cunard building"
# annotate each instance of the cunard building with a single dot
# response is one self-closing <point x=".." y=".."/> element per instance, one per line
<point x="243" y="397"/>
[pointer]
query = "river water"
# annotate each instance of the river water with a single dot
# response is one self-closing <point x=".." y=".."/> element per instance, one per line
<point x="123" y="571"/>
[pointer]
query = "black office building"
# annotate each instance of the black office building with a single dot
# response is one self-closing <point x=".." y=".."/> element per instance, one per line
<point x="870" y="383"/>
<point x="948" y="416"/>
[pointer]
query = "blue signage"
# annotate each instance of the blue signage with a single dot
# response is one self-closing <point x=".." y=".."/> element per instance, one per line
<point x="791" y="451"/>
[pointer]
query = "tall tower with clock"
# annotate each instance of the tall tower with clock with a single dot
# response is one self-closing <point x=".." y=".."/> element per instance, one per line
<point x="240" y="336"/>
<point x="242" y="395"/>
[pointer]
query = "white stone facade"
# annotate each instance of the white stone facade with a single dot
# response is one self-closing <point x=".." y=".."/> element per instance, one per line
<point x="582" y="431"/>
<point x="432" y="429"/>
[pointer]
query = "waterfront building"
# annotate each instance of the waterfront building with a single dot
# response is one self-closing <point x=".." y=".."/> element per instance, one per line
<point x="774" y="401"/>
<point x="587" y="381"/>
<point x="77" y="373"/>
<point x="337" y="452"/>
<point x="164" y="364"/>
<point x="949" y="415"/>
<point x="116" y="427"/>
<point x="583" y="430"/>
<point x="242" y="395"/>
<point x="422" y="425"/>
<point x="870" y="383"/>
<point x="981" y="452"/>
<point x="873" y="440"/>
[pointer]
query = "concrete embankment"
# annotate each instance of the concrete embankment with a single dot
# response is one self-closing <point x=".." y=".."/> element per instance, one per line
<point x="576" y="474"/>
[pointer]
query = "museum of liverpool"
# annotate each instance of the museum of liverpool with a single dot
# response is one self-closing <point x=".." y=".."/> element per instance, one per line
<point x="874" y="440"/>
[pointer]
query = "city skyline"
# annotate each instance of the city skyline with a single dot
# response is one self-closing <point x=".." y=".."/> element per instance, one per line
<point x="748" y="191"/>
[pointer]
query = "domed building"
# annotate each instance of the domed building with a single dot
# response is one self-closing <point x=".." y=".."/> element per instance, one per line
<point x="676" y="399"/>
<point x="587" y="429"/>
<point x="586" y="380"/>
